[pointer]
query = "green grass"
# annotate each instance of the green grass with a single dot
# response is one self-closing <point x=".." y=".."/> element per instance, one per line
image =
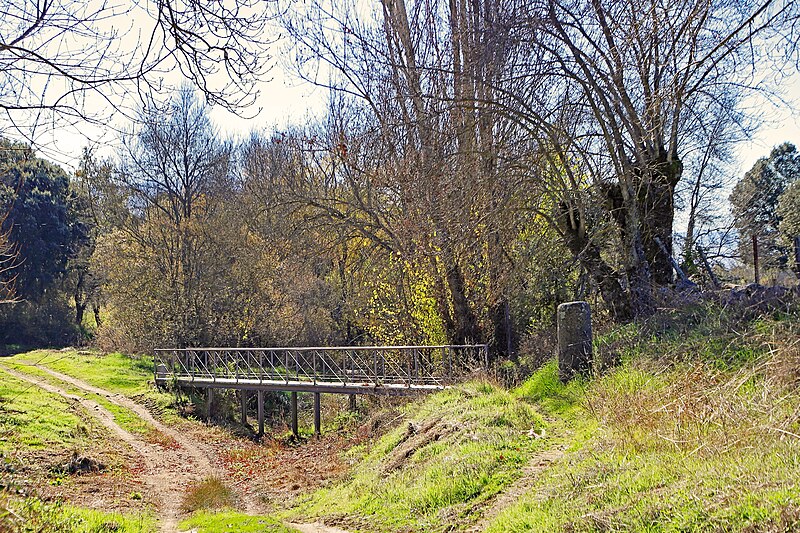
<point x="229" y="521"/>
<point x="123" y="416"/>
<point x="31" y="418"/>
<point x="32" y="514"/>
<point x="697" y="430"/>
<point x="468" y="443"/>
<point x="127" y="419"/>
<point x="113" y="372"/>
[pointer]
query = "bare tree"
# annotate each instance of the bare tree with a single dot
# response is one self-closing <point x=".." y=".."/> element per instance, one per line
<point x="614" y="91"/>
<point x="172" y="166"/>
<point x="415" y="83"/>
<point x="64" y="60"/>
<point x="709" y="173"/>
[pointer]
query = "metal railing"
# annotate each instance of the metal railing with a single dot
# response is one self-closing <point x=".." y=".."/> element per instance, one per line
<point x="375" y="366"/>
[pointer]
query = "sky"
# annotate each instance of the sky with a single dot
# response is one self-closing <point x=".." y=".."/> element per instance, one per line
<point x="284" y="101"/>
<point x="785" y="126"/>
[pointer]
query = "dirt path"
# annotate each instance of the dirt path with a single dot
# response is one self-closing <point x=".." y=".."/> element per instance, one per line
<point x="167" y="471"/>
<point x="530" y="475"/>
<point x="199" y="456"/>
<point x="170" y="470"/>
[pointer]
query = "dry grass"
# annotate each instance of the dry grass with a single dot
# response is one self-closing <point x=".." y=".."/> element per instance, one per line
<point x="697" y="429"/>
<point x="211" y="493"/>
<point x="701" y="404"/>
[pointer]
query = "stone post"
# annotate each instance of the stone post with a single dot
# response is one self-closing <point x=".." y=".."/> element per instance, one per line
<point x="574" y="340"/>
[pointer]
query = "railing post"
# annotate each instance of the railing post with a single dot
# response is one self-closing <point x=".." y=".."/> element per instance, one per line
<point x="449" y="350"/>
<point x="286" y="364"/>
<point x="212" y="367"/>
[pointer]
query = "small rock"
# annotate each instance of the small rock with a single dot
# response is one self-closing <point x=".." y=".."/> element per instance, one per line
<point x="80" y="464"/>
<point x="534" y="435"/>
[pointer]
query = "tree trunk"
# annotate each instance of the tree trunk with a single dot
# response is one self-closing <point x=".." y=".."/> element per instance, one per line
<point x="607" y="279"/>
<point x="442" y="300"/>
<point x="657" y="209"/>
<point x="466" y="329"/>
<point x="79" y="311"/>
<point x="80" y="297"/>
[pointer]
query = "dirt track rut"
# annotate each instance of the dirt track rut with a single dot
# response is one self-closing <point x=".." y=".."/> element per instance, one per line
<point x="168" y="471"/>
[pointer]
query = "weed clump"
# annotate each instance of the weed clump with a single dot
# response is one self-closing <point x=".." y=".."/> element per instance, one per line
<point x="211" y="493"/>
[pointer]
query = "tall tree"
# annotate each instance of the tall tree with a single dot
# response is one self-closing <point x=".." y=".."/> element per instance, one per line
<point x="613" y="91"/>
<point x="754" y="202"/>
<point x="172" y="166"/>
<point x="44" y="223"/>
<point x="413" y="84"/>
<point x="36" y="195"/>
<point x="789" y="212"/>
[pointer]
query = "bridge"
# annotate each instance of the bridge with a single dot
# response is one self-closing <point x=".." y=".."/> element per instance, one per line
<point x="379" y="370"/>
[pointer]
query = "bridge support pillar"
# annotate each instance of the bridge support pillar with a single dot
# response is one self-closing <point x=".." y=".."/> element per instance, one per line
<point x="244" y="406"/>
<point x="209" y="401"/>
<point x="352" y="402"/>
<point x="295" y="430"/>
<point x="317" y="415"/>
<point x="260" y="413"/>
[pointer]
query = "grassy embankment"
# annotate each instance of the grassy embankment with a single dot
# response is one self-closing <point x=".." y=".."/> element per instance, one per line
<point x="697" y="428"/>
<point x="454" y="451"/>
